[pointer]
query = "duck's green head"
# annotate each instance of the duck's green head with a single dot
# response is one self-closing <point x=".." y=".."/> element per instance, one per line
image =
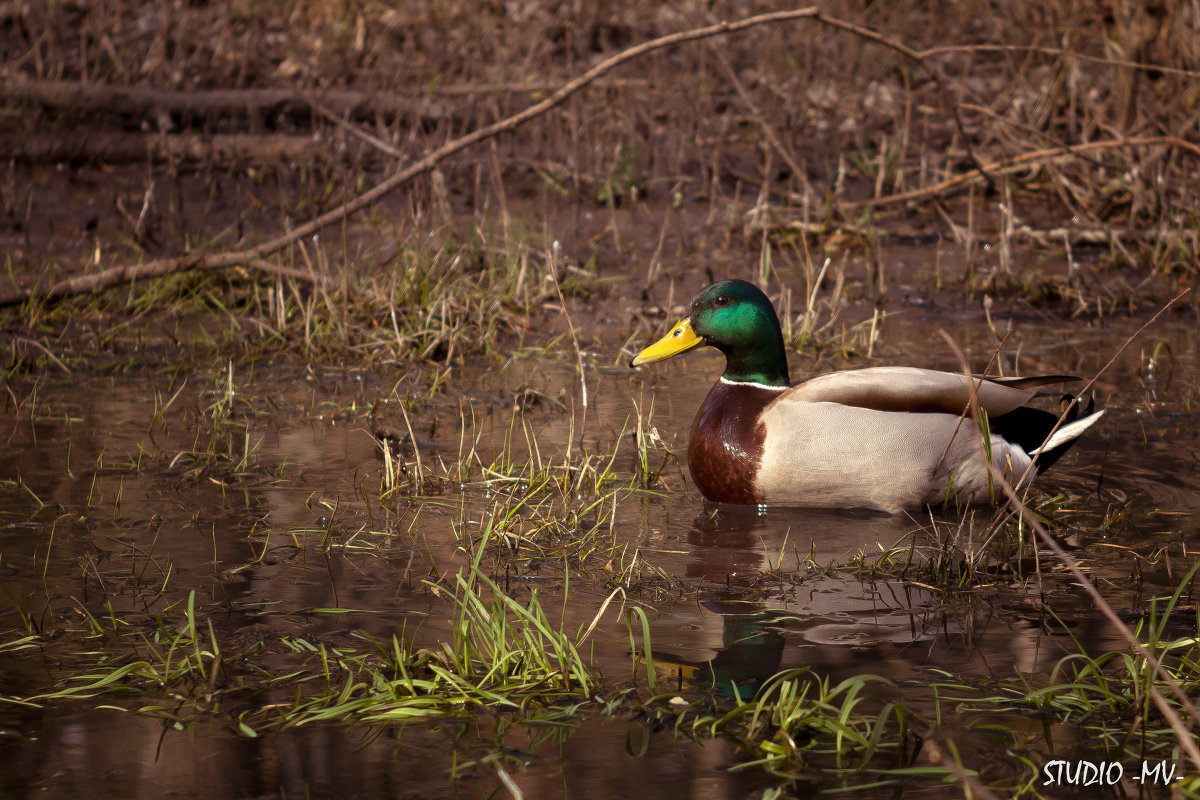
<point x="737" y="319"/>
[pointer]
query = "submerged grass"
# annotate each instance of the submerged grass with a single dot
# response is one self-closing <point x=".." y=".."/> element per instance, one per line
<point x="866" y="733"/>
<point x="524" y="515"/>
<point x="501" y="656"/>
<point x="518" y="663"/>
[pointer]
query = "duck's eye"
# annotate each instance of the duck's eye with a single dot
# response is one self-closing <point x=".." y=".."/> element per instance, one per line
<point x="721" y="300"/>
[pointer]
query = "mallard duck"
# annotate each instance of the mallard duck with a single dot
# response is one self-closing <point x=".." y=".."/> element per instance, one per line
<point x="889" y="438"/>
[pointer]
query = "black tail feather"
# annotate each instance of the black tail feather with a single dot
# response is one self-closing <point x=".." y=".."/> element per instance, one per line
<point x="1029" y="428"/>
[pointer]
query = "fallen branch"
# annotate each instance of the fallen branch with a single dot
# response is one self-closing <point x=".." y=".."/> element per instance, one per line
<point x="762" y="217"/>
<point x="1014" y="164"/>
<point x="203" y="261"/>
<point x="1053" y="237"/>
<point x="972" y="49"/>
<point x="165" y="266"/>
<point x="112" y="147"/>
<point x="149" y="103"/>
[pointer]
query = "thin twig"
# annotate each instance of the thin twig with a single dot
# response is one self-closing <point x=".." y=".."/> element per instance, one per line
<point x="355" y="130"/>
<point x="759" y="119"/>
<point x="552" y="274"/>
<point x="1182" y="732"/>
<point x="308" y="276"/>
<point x="1088" y="386"/>
<point x="918" y="58"/>
<point x="45" y="350"/>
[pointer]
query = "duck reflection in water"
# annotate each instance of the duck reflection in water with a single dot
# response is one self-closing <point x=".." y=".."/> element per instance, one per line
<point x="726" y="545"/>
<point x="734" y="546"/>
<point x="750" y="653"/>
<point x="731" y="542"/>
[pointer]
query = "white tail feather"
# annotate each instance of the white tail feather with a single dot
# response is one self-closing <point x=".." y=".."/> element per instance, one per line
<point x="1068" y="432"/>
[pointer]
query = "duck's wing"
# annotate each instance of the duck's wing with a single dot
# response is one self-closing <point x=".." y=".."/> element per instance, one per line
<point x="915" y="390"/>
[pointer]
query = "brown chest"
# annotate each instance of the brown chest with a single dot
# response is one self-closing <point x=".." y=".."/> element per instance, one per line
<point x="726" y="445"/>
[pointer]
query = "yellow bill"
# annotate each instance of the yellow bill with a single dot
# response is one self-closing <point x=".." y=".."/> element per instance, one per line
<point x="681" y="339"/>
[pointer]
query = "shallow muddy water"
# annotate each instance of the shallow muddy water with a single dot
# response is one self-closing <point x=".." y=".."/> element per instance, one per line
<point x="382" y="511"/>
<point x="263" y="505"/>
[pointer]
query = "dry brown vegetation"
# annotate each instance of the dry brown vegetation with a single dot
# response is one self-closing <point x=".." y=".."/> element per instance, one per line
<point x="186" y="135"/>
